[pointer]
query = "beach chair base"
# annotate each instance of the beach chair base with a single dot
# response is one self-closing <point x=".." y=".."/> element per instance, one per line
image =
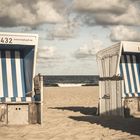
<point x="20" y="113"/>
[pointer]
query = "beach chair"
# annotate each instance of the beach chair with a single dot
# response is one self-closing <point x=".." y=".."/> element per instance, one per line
<point x="21" y="92"/>
<point x="119" y="71"/>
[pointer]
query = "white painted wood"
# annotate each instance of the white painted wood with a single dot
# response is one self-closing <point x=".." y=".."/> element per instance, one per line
<point x="130" y="73"/>
<point x="136" y="72"/>
<point x="1" y="79"/>
<point x="125" y="75"/>
<point x="18" y="38"/>
<point x="18" y="99"/>
<point x="18" y="114"/>
<point x="9" y="74"/>
<point x="18" y="74"/>
<point x="42" y="95"/>
<point x="131" y="46"/>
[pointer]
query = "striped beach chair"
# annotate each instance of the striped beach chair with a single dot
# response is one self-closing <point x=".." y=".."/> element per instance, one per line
<point x="18" y="93"/>
<point x="119" y="71"/>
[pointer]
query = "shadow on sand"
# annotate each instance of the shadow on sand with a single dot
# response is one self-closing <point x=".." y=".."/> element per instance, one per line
<point x="129" y="125"/>
<point x="81" y="109"/>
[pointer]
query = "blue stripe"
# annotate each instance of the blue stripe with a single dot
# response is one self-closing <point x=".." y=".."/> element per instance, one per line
<point x="37" y="97"/>
<point x="127" y="73"/>
<point x="2" y="99"/>
<point x="138" y="94"/>
<point x="121" y="70"/>
<point x="13" y="99"/>
<point x="14" y="79"/>
<point x="138" y="71"/>
<point x="133" y="73"/>
<point x="23" y="99"/>
<point x="127" y="95"/>
<point x="22" y="75"/>
<point x="4" y="74"/>
<point x="137" y="65"/>
<point x="121" y="74"/>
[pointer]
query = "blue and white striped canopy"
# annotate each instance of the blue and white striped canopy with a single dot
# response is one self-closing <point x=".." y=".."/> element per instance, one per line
<point x="12" y="78"/>
<point x="130" y="71"/>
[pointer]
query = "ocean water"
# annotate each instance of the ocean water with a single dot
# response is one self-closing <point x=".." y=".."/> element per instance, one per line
<point x="70" y="80"/>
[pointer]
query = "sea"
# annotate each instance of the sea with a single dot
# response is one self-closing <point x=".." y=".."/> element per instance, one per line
<point x="70" y="80"/>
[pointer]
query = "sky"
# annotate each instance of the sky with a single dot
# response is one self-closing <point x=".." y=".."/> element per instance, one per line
<point x="71" y="32"/>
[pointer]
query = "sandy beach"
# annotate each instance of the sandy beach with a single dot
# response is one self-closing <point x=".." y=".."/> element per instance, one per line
<point x="70" y="114"/>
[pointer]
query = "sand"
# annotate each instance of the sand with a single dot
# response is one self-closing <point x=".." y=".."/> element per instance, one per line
<point x="70" y="114"/>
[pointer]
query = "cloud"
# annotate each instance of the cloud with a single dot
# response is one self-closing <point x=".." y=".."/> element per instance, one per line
<point x="63" y="31"/>
<point x="101" y="6"/>
<point x="106" y="12"/>
<point x="49" y="59"/>
<point x="119" y="33"/>
<point x="92" y="12"/>
<point x="30" y="13"/>
<point x="49" y="55"/>
<point x="47" y="52"/>
<point x="88" y="49"/>
<point x="130" y="17"/>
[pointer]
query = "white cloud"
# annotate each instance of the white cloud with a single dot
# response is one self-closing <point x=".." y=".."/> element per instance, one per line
<point x="46" y="52"/>
<point x="115" y="6"/>
<point x="36" y="12"/>
<point x="130" y="17"/>
<point x="49" y="56"/>
<point x="106" y="12"/>
<point x="88" y="49"/>
<point x="63" y="31"/>
<point x="119" y="33"/>
<point x="49" y="59"/>
<point x="32" y="13"/>
<point x="45" y="12"/>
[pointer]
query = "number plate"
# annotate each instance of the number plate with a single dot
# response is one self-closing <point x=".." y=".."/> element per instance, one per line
<point x="6" y="40"/>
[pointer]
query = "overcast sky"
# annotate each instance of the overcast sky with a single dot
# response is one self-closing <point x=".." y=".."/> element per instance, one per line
<point x="72" y="31"/>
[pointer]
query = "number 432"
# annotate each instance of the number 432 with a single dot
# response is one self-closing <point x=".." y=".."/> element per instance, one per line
<point x="6" y="40"/>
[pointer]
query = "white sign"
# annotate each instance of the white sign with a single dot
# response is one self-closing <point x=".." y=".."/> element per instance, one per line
<point x="131" y="47"/>
<point x="22" y="39"/>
